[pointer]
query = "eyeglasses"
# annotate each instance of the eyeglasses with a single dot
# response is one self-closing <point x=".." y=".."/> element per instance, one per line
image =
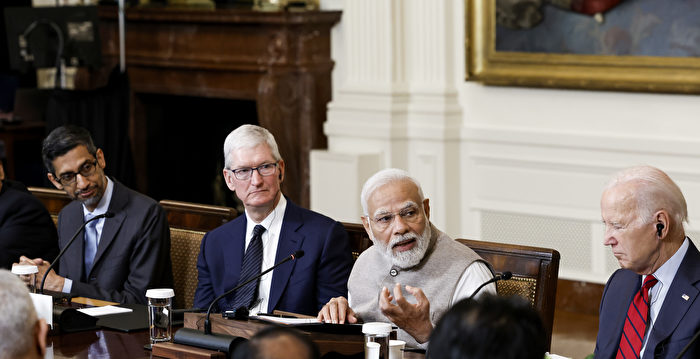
<point x="86" y="170"/>
<point x="265" y="169"/>
<point x="409" y="214"/>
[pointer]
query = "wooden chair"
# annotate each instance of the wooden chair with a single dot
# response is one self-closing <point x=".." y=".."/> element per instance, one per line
<point x="53" y="199"/>
<point x="188" y="224"/>
<point x="359" y="240"/>
<point x="535" y="270"/>
<point x="535" y="273"/>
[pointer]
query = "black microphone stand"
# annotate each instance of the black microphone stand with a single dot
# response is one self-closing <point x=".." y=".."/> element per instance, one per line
<point x="207" y="322"/>
<point x="60" y="254"/>
<point x="69" y="319"/>
<point x="690" y="343"/>
<point x="503" y="276"/>
<point x="215" y="341"/>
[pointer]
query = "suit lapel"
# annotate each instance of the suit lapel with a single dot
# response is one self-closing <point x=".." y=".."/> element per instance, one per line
<point x="74" y="266"/>
<point x="675" y="306"/>
<point x="231" y="260"/>
<point x="290" y="241"/>
<point x="119" y="201"/>
<point x="628" y="289"/>
<point x="235" y="249"/>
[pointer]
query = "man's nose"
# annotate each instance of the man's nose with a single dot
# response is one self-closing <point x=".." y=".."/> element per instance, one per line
<point x="400" y="225"/>
<point x="608" y="238"/>
<point x="81" y="182"/>
<point x="256" y="178"/>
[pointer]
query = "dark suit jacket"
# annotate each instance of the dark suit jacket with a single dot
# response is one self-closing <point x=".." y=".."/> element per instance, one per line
<point x="299" y="286"/>
<point x="26" y="228"/>
<point x="133" y="254"/>
<point x="678" y="319"/>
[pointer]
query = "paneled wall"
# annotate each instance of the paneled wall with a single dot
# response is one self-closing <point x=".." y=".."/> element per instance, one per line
<point x="502" y="164"/>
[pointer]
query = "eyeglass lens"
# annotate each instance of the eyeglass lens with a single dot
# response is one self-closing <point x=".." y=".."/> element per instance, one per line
<point x="86" y="170"/>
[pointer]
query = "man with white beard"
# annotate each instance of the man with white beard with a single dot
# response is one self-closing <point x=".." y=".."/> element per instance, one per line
<point x="408" y="250"/>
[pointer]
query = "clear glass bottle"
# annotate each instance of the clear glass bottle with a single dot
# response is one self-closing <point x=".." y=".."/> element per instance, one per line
<point x="160" y="317"/>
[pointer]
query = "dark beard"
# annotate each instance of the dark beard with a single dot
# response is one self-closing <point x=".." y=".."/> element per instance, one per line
<point x="89" y="202"/>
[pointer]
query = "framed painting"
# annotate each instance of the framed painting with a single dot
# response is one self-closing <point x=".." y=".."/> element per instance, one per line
<point x="626" y="45"/>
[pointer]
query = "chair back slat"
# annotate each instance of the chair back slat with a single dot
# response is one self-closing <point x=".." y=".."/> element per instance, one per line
<point x="535" y="273"/>
<point x="189" y="222"/>
<point x="53" y="199"/>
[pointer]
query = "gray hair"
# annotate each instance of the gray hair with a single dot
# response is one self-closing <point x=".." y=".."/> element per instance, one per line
<point x="19" y="316"/>
<point x="383" y="177"/>
<point x="655" y="191"/>
<point x="248" y="136"/>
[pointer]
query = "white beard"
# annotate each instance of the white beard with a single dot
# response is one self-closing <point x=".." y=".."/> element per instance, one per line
<point x="411" y="257"/>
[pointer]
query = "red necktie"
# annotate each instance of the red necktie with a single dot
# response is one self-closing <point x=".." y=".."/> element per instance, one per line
<point x="636" y="322"/>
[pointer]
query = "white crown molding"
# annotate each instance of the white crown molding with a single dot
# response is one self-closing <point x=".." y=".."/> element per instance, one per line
<point x="540" y="210"/>
<point x="618" y="142"/>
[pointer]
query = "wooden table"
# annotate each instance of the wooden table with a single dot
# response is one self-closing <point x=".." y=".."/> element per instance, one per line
<point x="346" y="344"/>
<point x="112" y="344"/>
<point x="106" y="343"/>
<point x="100" y="344"/>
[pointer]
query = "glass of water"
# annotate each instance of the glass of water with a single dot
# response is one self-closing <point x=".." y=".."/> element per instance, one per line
<point x="160" y="317"/>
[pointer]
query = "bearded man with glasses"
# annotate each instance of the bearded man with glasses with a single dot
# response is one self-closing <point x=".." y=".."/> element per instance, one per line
<point x="435" y="270"/>
<point x="272" y="228"/>
<point x="116" y="258"/>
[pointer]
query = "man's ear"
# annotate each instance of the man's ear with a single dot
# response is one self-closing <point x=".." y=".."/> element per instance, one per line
<point x="661" y="224"/>
<point x="426" y="207"/>
<point x="228" y="178"/>
<point x="41" y="331"/>
<point x="281" y="168"/>
<point x="53" y="180"/>
<point x="101" y="158"/>
<point x="365" y="223"/>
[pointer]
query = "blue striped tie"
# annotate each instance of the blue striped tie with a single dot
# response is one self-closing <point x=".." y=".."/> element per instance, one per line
<point x="90" y="243"/>
<point x="252" y="265"/>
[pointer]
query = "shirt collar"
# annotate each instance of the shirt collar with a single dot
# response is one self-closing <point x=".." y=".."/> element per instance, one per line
<point x="667" y="271"/>
<point x="103" y="205"/>
<point x="268" y="221"/>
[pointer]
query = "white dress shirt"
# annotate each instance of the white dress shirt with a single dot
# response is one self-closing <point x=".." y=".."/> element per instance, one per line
<point x="474" y="276"/>
<point x="657" y="293"/>
<point x="101" y="208"/>
<point x="270" y="239"/>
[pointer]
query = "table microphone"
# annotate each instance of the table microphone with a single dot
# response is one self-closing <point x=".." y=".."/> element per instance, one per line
<point x="503" y="276"/>
<point x="215" y="341"/>
<point x="103" y="215"/>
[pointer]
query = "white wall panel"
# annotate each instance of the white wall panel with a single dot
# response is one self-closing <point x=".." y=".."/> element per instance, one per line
<point x="506" y="164"/>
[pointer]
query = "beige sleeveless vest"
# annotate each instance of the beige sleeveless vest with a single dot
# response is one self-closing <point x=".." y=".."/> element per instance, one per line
<point x="437" y="275"/>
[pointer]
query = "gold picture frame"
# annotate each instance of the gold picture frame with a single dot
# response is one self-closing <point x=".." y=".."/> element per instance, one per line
<point x="591" y="72"/>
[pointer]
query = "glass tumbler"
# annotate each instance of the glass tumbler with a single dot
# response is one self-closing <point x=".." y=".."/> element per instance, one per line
<point x="160" y="305"/>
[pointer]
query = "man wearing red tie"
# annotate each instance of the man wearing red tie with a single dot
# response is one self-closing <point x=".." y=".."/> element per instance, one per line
<point x="650" y="307"/>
